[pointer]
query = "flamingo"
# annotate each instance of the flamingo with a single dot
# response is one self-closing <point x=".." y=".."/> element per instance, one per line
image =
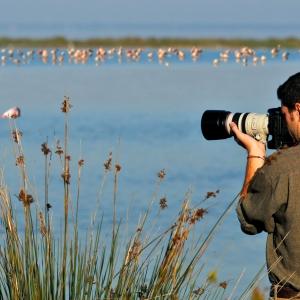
<point x="12" y="113"/>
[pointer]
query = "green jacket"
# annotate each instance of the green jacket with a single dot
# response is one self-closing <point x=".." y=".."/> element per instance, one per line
<point x="273" y="205"/>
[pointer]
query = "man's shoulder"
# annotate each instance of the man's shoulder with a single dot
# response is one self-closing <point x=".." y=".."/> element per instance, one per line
<point x="283" y="161"/>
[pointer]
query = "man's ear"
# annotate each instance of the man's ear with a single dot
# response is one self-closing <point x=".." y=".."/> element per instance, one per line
<point x="297" y="107"/>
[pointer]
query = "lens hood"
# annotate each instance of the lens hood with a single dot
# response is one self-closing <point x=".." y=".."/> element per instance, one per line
<point x="213" y="124"/>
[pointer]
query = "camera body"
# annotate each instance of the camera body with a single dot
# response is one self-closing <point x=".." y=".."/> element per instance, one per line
<point x="269" y="128"/>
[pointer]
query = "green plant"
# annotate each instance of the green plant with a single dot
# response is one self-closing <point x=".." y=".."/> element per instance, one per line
<point x="37" y="264"/>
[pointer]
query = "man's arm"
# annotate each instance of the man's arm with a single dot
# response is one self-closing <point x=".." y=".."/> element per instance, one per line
<point x="255" y="158"/>
<point x="253" y="163"/>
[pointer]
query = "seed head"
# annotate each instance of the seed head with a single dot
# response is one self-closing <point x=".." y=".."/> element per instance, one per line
<point x="16" y="135"/>
<point x="197" y="215"/>
<point x="118" y="168"/>
<point x="66" y="105"/>
<point x="223" y="284"/>
<point x="20" y="160"/>
<point x="161" y="174"/>
<point x="212" y="194"/>
<point x="163" y="203"/>
<point x="45" y="149"/>
<point x="80" y="162"/>
<point x="107" y="164"/>
<point x="25" y="198"/>
<point x="59" y="151"/>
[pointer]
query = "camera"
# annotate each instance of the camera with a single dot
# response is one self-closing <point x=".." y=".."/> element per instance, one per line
<point x="269" y="128"/>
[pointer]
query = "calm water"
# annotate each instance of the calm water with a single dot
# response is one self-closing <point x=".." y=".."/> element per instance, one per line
<point x="148" y="115"/>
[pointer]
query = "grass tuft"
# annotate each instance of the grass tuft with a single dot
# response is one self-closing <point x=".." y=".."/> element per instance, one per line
<point x="36" y="263"/>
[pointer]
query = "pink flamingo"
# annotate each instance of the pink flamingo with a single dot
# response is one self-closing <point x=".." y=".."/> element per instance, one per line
<point x="12" y="113"/>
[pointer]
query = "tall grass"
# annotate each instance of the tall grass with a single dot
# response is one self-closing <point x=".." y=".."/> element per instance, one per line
<point x="36" y="263"/>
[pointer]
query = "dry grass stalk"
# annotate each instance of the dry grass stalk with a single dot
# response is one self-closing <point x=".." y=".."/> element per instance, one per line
<point x="42" y="268"/>
<point x="16" y="136"/>
<point x="6" y="212"/>
<point x="66" y="106"/>
<point x="43" y="228"/>
<point x="133" y="252"/>
<point x="169" y="268"/>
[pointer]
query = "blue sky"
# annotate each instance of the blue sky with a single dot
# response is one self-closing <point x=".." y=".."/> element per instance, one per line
<point x="137" y="12"/>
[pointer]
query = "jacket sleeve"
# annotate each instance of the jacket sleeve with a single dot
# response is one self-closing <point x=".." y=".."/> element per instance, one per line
<point x="264" y="198"/>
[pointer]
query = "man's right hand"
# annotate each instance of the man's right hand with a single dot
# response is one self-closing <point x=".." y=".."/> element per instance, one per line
<point x="256" y="155"/>
<point x="252" y="146"/>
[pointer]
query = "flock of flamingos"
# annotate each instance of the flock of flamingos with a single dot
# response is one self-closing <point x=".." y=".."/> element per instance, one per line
<point x="57" y="56"/>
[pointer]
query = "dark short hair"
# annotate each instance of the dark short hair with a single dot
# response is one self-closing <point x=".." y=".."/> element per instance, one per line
<point x="289" y="91"/>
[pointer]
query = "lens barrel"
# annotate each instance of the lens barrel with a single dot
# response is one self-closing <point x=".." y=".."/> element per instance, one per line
<point x="213" y="124"/>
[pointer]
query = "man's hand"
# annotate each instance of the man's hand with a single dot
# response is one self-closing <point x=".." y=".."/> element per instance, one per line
<point x="252" y="146"/>
<point x="256" y="153"/>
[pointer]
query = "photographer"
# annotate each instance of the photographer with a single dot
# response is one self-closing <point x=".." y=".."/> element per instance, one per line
<point x="270" y="196"/>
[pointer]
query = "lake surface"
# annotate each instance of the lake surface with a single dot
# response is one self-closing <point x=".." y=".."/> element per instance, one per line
<point x="148" y="115"/>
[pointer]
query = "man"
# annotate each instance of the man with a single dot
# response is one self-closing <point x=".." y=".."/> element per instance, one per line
<point x="270" y="197"/>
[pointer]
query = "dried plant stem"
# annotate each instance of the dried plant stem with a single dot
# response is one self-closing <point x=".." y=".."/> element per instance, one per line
<point x="149" y="207"/>
<point x="236" y="284"/>
<point x="40" y="265"/>
<point x="66" y="179"/>
<point x="78" y="191"/>
<point x="46" y="184"/>
<point x="114" y="202"/>
<point x="19" y="153"/>
<point x="114" y="236"/>
<point x="99" y="195"/>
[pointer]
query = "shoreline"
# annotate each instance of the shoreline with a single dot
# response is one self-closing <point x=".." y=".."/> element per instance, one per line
<point x="289" y="42"/>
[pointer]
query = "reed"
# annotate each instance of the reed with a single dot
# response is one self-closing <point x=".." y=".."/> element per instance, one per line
<point x="36" y="263"/>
